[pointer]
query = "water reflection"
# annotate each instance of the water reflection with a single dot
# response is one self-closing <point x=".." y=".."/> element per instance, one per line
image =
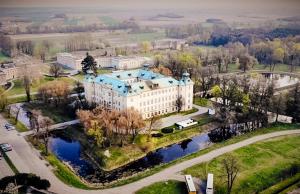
<point x="70" y="151"/>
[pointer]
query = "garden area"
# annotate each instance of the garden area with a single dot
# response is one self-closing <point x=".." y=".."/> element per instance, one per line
<point x="272" y="160"/>
<point x="19" y="88"/>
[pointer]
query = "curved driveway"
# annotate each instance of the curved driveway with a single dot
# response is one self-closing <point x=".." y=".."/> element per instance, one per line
<point x="26" y="159"/>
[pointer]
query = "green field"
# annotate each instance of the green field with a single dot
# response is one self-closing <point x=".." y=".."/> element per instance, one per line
<point x="261" y="165"/>
<point x="166" y="187"/>
<point x="3" y="57"/>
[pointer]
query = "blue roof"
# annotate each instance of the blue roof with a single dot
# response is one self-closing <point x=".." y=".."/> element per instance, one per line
<point x="117" y="81"/>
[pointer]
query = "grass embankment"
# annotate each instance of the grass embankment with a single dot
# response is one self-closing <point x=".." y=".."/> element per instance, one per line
<point x="18" y="125"/>
<point x="57" y="114"/>
<point x="272" y="128"/>
<point x="261" y="165"/>
<point x="166" y="187"/>
<point x="64" y="173"/>
<point x="284" y="186"/>
<point x="126" y="154"/>
<point x="19" y="88"/>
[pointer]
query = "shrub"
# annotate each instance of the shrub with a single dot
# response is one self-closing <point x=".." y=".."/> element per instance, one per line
<point x="167" y="130"/>
<point x="157" y="135"/>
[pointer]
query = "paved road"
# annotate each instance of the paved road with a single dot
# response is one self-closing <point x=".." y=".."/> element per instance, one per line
<point x="168" y="121"/>
<point x="26" y="159"/>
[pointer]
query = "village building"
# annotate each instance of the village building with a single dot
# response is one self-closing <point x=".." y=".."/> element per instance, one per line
<point x="8" y="71"/>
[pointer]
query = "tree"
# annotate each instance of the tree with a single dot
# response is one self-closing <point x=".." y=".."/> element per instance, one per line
<point x="277" y="56"/>
<point x="22" y="180"/>
<point x="45" y="123"/>
<point x="231" y="170"/>
<point x="30" y="73"/>
<point x="54" y="91"/>
<point x="293" y="103"/>
<point x="179" y="103"/>
<point x="3" y="99"/>
<point x="89" y="63"/>
<point x="55" y="70"/>
<point x="96" y="131"/>
<point x="135" y="122"/>
<point x="162" y="70"/>
<point x="27" y="87"/>
<point x="145" y="46"/>
<point x="278" y="105"/>
<point x="203" y="80"/>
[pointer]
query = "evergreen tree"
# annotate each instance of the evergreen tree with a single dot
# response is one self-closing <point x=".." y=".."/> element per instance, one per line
<point x="89" y="63"/>
<point x="293" y="104"/>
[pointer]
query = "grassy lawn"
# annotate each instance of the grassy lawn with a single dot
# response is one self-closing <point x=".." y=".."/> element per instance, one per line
<point x="202" y="102"/>
<point x="19" y="89"/>
<point x="18" y="125"/>
<point x="166" y="187"/>
<point x="3" y="57"/>
<point x="262" y="165"/>
<point x="284" y="186"/>
<point x="278" y="67"/>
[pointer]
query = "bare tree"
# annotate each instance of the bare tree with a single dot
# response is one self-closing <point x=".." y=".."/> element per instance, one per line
<point x="179" y="103"/>
<point x="45" y="123"/>
<point x="55" y="70"/>
<point x="231" y="170"/>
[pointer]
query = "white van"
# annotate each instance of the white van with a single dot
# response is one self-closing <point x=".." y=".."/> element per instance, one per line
<point x="209" y="184"/>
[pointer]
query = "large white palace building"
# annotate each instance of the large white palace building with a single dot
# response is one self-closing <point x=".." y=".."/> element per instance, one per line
<point x="148" y="92"/>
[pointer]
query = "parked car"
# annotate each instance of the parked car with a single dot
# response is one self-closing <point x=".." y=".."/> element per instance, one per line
<point x="9" y="126"/>
<point x="6" y="147"/>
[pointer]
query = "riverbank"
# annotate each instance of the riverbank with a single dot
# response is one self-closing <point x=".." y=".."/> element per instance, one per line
<point x="138" y="176"/>
<point x="120" y="156"/>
